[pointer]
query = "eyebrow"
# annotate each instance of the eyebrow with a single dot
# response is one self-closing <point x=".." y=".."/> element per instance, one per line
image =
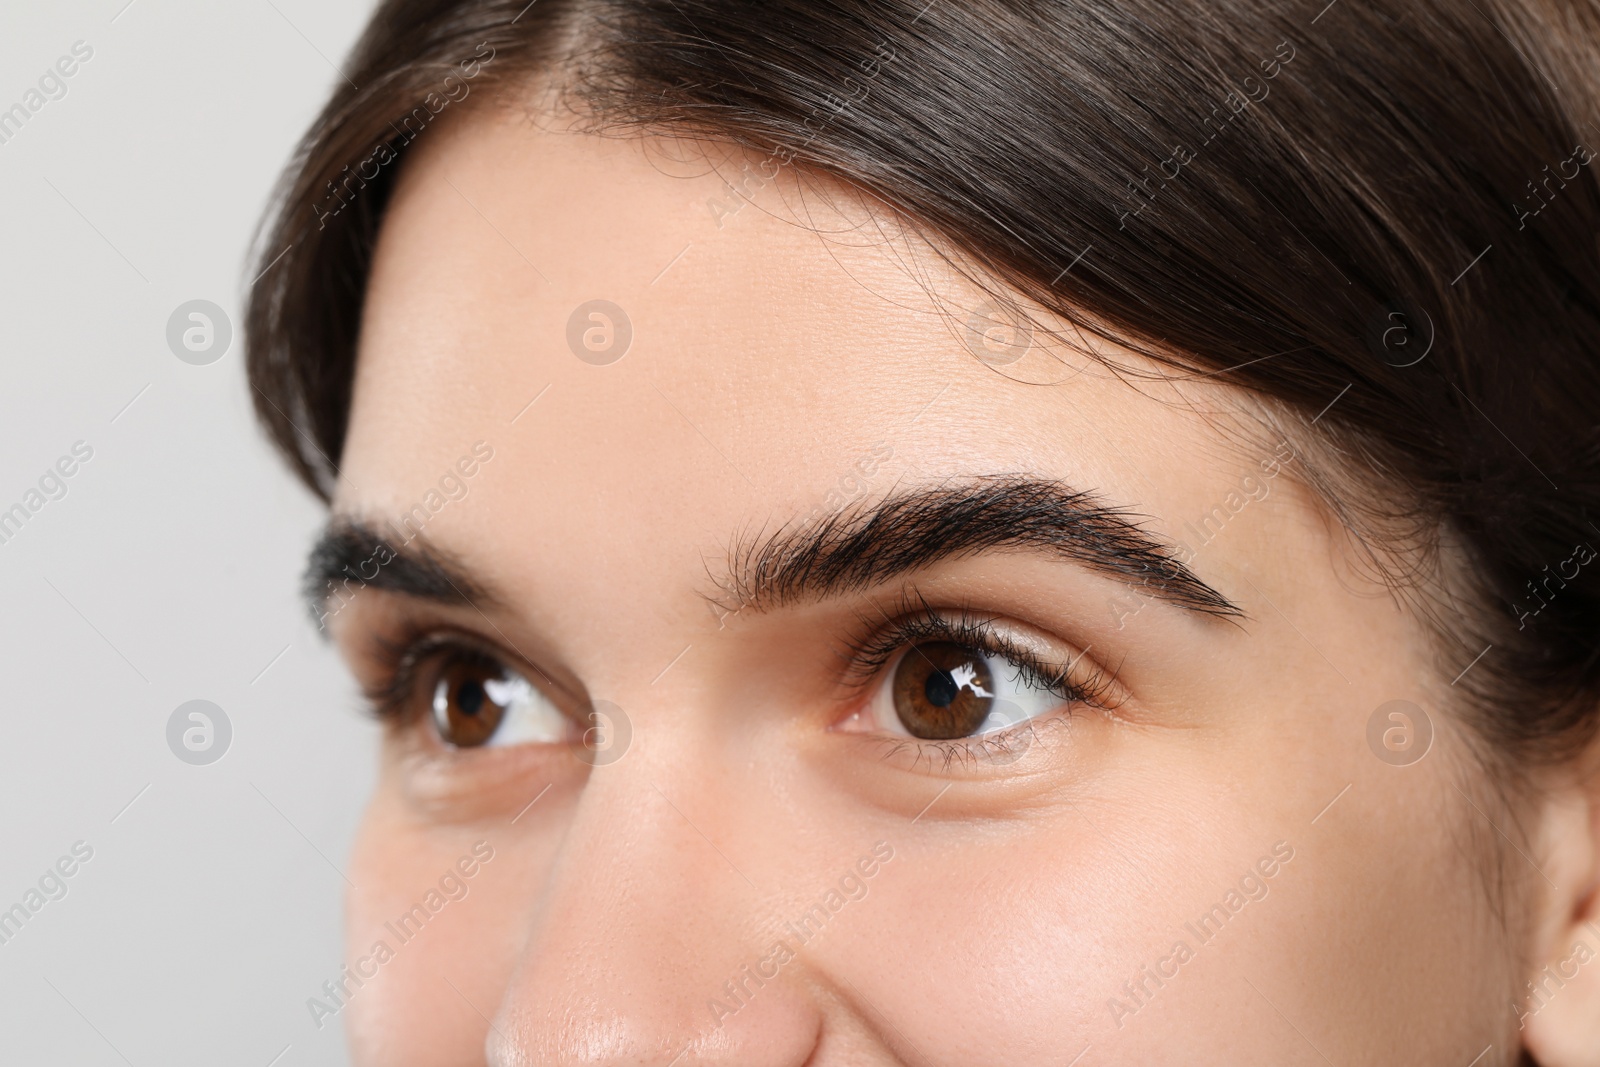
<point x="862" y="546"/>
<point x="871" y="543"/>
<point x="352" y="552"/>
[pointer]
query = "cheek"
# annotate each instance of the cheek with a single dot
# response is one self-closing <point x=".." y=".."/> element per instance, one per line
<point x="1058" y="932"/>
<point x="1000" y="935"/>
<point x="1390" y="901"/>
<point x="407" y="1016"/>
<point x="1024" y="938"/>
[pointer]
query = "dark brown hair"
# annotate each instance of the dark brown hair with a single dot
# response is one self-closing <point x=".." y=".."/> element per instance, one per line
<point x="1381" y="217"/>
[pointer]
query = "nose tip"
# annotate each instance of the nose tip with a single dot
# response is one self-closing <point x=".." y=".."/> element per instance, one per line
<point x="692" y="1025"/>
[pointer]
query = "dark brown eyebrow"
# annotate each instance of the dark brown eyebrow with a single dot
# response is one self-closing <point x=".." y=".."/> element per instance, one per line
<point x="869" y="543"/>
<point x="862" y="546"/>
<point x="351" y="554"/>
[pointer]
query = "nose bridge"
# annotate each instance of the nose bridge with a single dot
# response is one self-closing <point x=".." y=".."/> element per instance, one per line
<point x="650" y="946"/>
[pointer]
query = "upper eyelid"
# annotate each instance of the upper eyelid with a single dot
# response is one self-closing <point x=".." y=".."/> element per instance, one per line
<point x="414" y="617"/>
<point x="402" y="659"/>
<point x="924" y="622"/>
<point x="399" y="661"/>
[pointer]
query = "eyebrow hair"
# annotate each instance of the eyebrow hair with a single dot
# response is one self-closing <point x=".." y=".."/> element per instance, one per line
<point x="854" y="549"/>
<point x="348" y="548"/>
<point x="868" y="544"/>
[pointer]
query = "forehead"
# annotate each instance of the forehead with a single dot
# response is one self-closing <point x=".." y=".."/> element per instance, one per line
<point x="783" y="353"/>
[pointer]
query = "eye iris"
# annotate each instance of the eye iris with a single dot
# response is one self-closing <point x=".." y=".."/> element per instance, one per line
<point x="463" y="711"/>
<point x="943" y="690"/>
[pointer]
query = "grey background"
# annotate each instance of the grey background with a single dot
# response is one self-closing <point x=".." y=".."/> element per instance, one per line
<point x="210" y="910"/>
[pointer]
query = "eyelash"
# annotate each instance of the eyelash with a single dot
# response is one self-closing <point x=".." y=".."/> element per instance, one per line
<point x="398" y="660"/>
<point x="914" y="620"/>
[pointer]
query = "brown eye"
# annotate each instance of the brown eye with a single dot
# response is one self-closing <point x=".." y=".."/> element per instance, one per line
<point x="464" y="706"/>
<point x="480" y="701"/>
<point x="943" y="690"/>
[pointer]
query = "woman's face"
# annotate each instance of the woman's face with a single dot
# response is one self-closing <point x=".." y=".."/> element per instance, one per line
<point x="713" y="613"/>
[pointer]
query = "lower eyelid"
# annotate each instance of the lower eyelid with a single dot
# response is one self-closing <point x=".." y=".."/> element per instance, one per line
<point x="1000" y="749"/>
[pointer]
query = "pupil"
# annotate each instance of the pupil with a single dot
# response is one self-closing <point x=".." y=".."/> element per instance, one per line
<point x="941" y="689"/>
<point x="469" y="697"/>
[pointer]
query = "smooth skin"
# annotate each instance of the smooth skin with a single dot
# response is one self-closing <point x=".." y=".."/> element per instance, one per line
<point x="1018" y="891"/>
